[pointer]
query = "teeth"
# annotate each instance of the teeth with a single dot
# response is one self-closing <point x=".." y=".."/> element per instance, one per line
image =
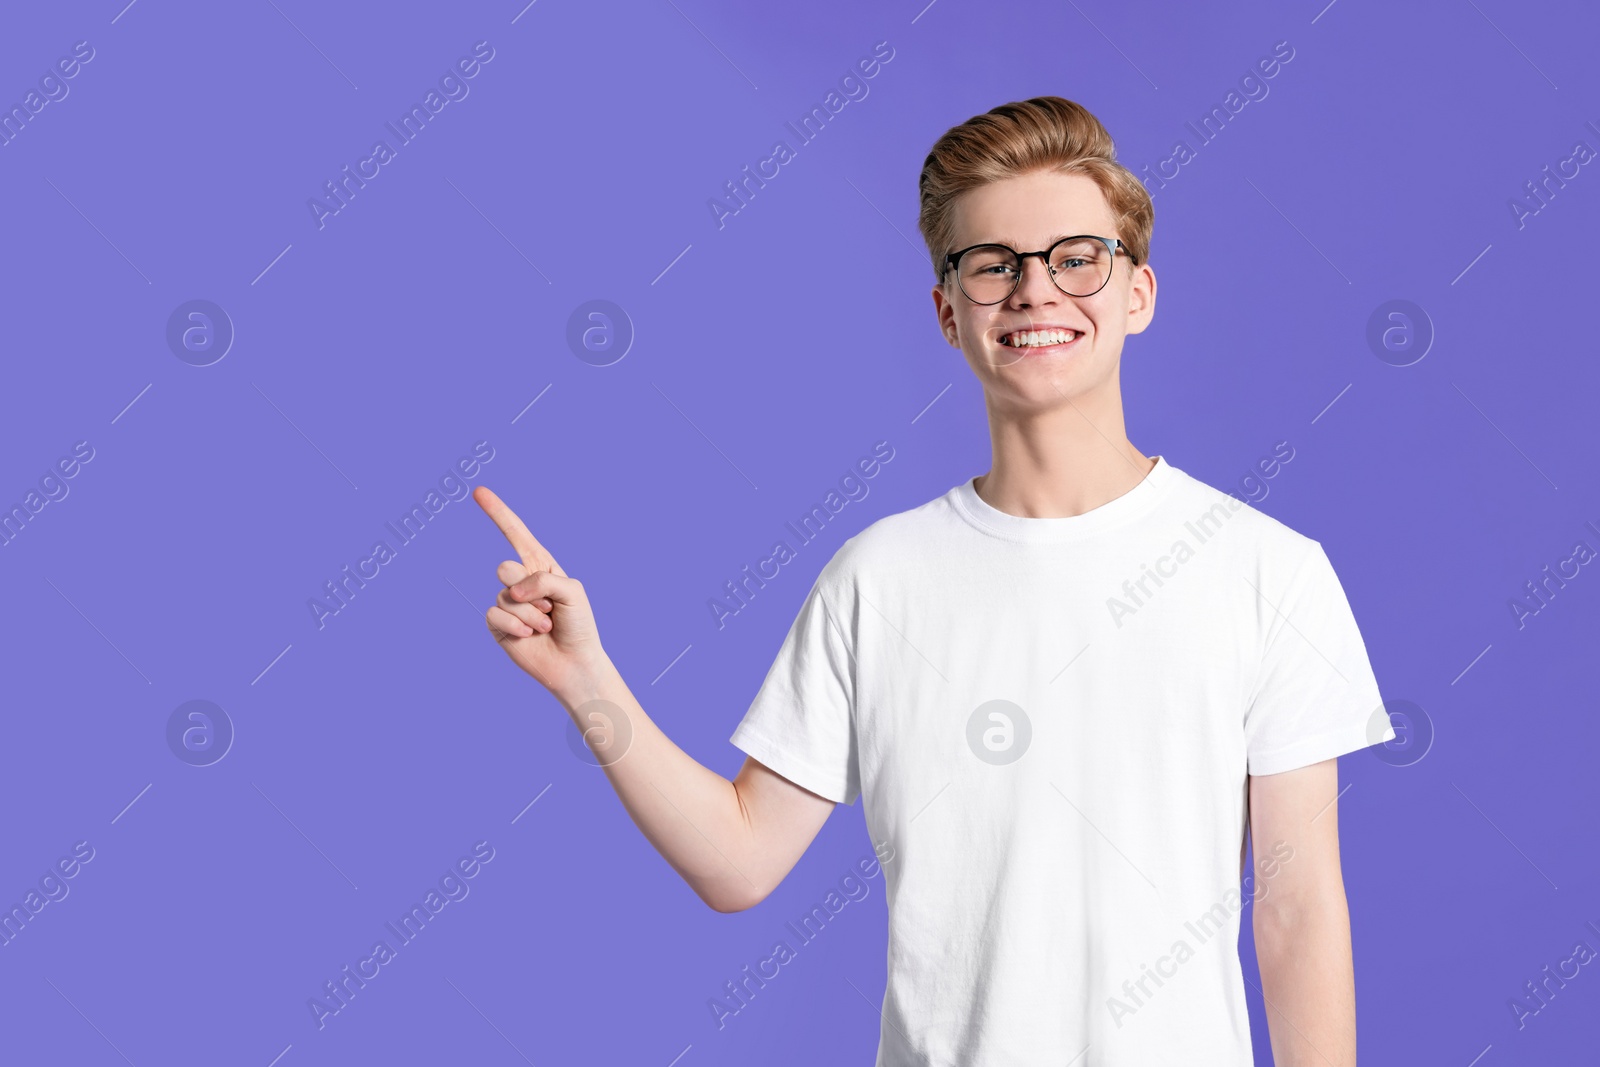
<point x="1035" y="338"/>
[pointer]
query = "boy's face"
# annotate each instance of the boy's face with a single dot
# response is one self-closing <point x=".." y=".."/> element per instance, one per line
<point x="1031" y="212"/>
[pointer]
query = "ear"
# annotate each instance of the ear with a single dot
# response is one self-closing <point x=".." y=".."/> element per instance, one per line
<point x="1141" y="298"/>
<point x="945" y="315"/>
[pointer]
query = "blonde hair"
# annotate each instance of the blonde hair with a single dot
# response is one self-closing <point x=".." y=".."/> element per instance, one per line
<point x="1044" y="133"/>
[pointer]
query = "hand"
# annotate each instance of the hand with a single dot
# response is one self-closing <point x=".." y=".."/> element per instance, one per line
<point x="542" y="617"/>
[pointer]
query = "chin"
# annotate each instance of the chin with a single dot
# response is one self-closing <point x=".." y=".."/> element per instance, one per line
<point x="1041" y="384"/>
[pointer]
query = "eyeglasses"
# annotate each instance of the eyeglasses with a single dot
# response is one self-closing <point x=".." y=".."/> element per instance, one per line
<point x="1079" y="266"/>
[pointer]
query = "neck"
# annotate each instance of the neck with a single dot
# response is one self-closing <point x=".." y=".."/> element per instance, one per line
<point x="1063" y="460"/>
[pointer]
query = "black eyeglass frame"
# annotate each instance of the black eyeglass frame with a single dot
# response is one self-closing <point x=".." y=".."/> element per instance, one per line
<point x="1113" y="245"/>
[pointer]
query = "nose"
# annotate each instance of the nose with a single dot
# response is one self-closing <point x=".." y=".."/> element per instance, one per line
<point x="1035" y="287"/>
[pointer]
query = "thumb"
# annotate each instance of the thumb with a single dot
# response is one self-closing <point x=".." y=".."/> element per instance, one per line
<point x="558" y="587"/>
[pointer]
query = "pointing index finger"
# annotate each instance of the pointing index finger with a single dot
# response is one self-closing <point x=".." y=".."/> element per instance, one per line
<point x="533" y="554"/>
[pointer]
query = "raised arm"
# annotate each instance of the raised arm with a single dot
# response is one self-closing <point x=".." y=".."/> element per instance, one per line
<point x="732" y="841"/>
<point x="1301" y="919"/>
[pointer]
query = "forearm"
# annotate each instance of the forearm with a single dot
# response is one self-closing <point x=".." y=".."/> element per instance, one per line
<point x="693" y="816"/>
<point x="1307" y="979"/>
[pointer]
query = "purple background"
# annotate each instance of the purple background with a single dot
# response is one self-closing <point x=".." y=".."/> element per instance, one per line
<point x="371" y="353"/>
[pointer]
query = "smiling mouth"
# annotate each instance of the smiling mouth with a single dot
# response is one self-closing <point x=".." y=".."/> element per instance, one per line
<point x="1038" y="340"/>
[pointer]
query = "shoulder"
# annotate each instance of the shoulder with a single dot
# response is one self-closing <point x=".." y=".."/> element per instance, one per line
<point x="1252" y="537"/>
<point x="887" y="544"/>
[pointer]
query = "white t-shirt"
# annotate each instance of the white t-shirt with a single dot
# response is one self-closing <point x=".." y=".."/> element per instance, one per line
<point x="1051" y="721"/>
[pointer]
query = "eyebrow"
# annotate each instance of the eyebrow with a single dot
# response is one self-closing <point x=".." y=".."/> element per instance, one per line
<point x="1048" y="242"/>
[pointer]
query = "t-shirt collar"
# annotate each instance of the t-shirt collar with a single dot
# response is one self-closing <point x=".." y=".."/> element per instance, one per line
<point x="1134" y="502"/>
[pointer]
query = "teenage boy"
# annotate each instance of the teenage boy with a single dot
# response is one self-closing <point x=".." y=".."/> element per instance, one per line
<point x="1067" y="689"/>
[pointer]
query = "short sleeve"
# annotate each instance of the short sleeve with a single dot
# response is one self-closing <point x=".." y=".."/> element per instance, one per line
<point x="802" y="722"/>
<point x="1315" y="696"/>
